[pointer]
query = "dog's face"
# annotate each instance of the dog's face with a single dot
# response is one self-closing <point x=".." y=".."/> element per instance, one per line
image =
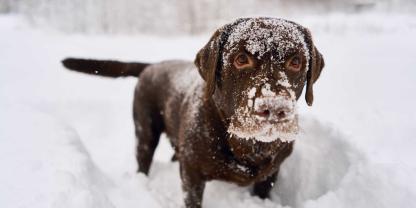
<point x="255" y="70"/>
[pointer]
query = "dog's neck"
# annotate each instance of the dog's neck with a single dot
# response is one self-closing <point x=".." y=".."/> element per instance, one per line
<point x="255" y="156"/>
<point x="210" y="102"/>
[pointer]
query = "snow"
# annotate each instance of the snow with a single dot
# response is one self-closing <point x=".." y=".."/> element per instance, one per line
<point x="58" y="170"/>
<point x="67" y="139"/>
<point x="265" y="35"/>
<point x="265" y="91"/>
<point x="283" y="81"/>
<point x="285" y="132"/>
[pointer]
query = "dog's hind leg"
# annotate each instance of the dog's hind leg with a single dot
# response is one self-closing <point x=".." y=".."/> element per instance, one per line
<point x="148" y="128"/>
<point x="148" y="131"/>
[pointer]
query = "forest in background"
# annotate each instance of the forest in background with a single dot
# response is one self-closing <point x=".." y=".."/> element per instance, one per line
<point x="164" y="17"/>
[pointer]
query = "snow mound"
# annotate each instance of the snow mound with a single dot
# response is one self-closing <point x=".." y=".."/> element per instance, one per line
<point x="321" y="159"/>
<point x="46" y="164"/>
<point x="325" y="170"/>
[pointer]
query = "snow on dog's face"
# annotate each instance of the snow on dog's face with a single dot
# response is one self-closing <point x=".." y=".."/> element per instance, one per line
<point x="255" y="70"/>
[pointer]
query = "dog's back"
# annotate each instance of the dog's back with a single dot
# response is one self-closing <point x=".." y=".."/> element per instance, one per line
<point x="165" y="90"/>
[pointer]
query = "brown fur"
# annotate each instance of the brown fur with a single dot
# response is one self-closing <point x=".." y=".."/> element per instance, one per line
<point x="104" y="68"/>
<point x="196" y="116"/>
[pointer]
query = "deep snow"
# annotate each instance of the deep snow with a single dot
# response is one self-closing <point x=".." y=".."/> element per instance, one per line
<point x="66" y="139"/>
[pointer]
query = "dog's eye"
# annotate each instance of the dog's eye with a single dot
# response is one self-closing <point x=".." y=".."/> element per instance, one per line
<point x="242" y="60"/>
<point x="294" y="63"/>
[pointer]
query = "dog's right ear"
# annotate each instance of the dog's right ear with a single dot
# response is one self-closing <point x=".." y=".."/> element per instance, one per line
<point x="207" y="61"/>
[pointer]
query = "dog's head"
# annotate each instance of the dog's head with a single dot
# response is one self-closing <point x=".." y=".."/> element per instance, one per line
<point x="255" y="70"/>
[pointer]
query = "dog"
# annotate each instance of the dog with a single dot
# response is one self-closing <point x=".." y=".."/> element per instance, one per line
<point x="230" y="115"/>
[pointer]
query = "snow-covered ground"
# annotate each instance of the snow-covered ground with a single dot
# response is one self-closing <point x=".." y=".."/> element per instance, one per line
<point x="66" y="139"/>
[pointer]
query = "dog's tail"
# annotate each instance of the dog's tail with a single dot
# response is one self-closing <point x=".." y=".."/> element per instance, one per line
<point x="106" y="68"/>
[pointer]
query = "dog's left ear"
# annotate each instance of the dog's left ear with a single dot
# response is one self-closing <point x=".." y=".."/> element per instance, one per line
<point x="207" y="61"/>
<point x="316" y="64"/>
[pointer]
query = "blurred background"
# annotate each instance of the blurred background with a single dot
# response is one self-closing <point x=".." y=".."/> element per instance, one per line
<point x="163" y="17"/>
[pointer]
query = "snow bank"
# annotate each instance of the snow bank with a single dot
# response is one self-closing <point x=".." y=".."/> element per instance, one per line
<point x="326" y="170"/>
<point x="45" y="164"/>
<point x="48" y="166"/>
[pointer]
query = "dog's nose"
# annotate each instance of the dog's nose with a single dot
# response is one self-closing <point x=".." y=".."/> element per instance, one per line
<point x="264" y="113"/>
<point x="279" y="113"/>
<point x="282" y="113"/>
<point x="273" y="109"/>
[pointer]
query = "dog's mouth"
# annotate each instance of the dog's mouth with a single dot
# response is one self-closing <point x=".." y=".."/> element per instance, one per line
<point x="266" y="131"/>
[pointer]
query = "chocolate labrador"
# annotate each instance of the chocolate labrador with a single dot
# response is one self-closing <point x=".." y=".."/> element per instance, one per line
<point x="230" y="115"/>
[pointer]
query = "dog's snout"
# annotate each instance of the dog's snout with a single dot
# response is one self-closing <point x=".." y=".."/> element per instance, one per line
<point x="273" y="109"/>
<point x="280" y="113"/>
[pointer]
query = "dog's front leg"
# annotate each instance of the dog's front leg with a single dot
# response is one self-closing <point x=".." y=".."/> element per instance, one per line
<point x="193" y="187"/>
<point x="262" y="188"/>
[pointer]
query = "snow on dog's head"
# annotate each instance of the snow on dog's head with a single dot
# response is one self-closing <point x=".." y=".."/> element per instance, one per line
<point x="255" y="70"/>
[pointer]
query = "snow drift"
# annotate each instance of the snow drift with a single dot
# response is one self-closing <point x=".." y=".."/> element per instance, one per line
<point x="48" y="166"/>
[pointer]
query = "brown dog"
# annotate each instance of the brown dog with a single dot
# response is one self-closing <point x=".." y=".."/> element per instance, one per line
<point x="229" y="116"/>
